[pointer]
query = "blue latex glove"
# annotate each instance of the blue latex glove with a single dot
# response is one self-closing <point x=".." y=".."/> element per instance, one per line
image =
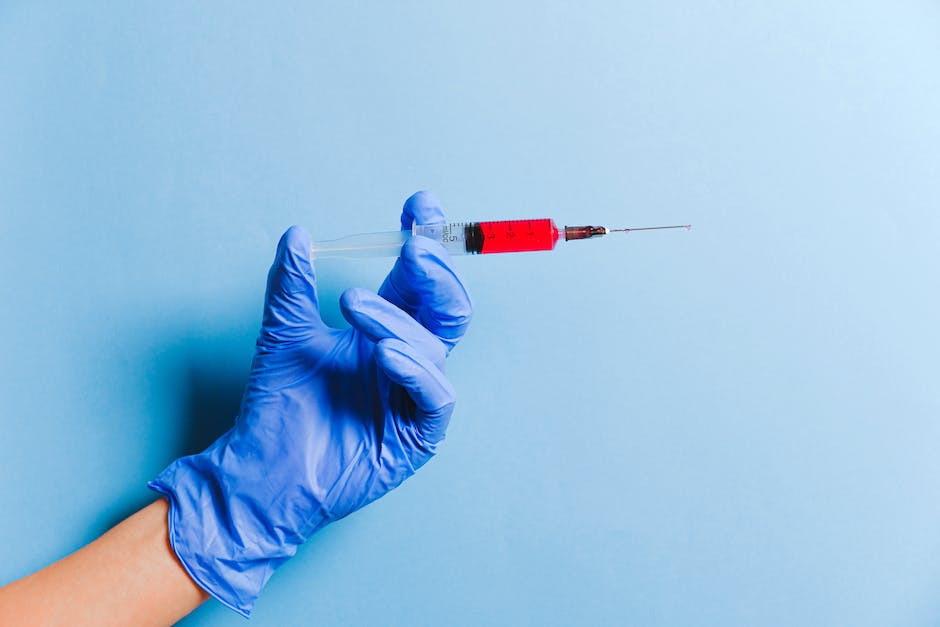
<point x="330" y="420"/>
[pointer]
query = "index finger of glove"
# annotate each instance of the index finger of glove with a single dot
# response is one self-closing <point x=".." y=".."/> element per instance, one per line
<point x="422" y="208"/>
<point x="425" y="284"/>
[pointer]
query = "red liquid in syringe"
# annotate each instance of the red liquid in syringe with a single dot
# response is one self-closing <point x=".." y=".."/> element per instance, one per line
<point x="513" y="236"/>
<point x="519" y="236"/>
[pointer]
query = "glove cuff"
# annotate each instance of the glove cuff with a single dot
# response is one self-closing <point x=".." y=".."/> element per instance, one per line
<point x="193" y="565"/>
<point x="228" y="553"/>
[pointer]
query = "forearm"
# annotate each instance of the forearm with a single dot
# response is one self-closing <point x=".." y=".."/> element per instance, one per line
<point x="128" y="576"/>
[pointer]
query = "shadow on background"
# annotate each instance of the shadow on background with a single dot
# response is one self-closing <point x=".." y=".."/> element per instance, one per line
<point x="206" y="376"/>
<point x="213" y="396"/>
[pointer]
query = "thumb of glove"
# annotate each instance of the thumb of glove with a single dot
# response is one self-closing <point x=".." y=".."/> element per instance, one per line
<point x="291" y="309"/>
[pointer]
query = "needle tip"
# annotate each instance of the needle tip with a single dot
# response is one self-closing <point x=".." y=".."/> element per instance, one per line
<point x="687" y="227"/>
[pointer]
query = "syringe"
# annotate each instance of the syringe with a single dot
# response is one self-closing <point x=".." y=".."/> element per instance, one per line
<point x="470" y="238"/>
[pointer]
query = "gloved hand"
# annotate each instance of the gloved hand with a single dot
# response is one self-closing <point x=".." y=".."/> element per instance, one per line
<point x="330" y="420"/>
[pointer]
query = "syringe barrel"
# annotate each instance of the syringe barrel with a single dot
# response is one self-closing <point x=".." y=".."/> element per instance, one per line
<point x="498" y="236"/>
<point x="456" y="237"/>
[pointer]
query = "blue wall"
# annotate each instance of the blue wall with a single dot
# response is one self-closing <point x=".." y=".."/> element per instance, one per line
<point x="732" y="426"/>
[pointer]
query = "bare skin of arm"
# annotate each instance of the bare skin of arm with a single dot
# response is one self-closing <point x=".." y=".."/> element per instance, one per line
<point x="128" y="576"/>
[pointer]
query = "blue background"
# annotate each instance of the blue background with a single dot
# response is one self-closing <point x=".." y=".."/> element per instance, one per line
<point x="732" y="426"/>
